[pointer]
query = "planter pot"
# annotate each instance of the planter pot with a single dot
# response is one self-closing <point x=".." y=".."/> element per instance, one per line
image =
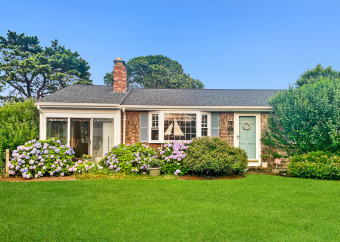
<point x="97" y="159"/>
<point x="283" y="173"/>
<point x="264" y="164"/>
<point x="155" y="171"/>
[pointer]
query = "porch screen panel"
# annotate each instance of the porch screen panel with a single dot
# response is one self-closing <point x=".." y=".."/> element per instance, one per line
<point x="102" y="137"/>
<point x="57" y="128"/>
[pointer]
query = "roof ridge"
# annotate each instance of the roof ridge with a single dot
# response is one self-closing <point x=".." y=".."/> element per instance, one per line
<point x="208" y="89"/>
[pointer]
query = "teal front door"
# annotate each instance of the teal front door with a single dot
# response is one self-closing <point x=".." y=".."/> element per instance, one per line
<point x="247" y="135"/>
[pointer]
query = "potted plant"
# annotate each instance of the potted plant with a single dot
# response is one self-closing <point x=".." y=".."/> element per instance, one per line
<point x="264" y="161"/>
<point x="155" y="167"/>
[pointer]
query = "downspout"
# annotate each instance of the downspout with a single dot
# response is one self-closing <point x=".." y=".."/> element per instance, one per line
<point x="124" y="115"/>
<point x="40" y="113"/>
<point x="124" y="124"/>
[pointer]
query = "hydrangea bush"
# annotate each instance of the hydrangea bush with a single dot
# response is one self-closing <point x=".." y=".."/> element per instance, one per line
<point x="45" y="158"/>
<point x="129" y="158"/>
<point x="173" y="154"/>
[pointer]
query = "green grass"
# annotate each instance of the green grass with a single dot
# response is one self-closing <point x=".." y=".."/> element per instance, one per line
<point x="256" y="208"/>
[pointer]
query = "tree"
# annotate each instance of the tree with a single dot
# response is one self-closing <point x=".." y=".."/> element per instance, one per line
<point x="19" y="122"/>
<point x="309" y="117"/>
<point x="156" y="71"/>
<point x="30" y="70"/>
<point x="108" y="79"/>
<point x="311" y="76"/>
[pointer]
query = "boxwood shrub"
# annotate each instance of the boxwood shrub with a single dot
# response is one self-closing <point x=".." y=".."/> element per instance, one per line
<point x="319" y="165"/>
<point x="37" y="158"/>
<point x="129" y="158"/>
<point x="212" y="156"/>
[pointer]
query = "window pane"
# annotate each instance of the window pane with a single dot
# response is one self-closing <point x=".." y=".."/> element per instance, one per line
<point x="179" y="126"/>
<point x="102" y="137"/>
<point x="80" y="136"/>
<point x="204" y="121"/>
<point x="154" y="134"/>
<point x="154" y="120"/>
<point x="204" y="132"/>
<point x="57" y="128"/>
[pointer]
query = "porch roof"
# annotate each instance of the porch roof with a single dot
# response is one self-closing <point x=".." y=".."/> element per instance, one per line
<point x="85" y="94"/>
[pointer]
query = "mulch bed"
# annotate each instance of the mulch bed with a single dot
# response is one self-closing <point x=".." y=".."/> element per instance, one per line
<point x="21" y="179"/>
<point x="71" y="178"/>
<point x="194" y="177"/>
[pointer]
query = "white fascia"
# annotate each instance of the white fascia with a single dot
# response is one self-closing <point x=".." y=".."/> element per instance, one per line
<point x="74" y="105"/>
<point x="201" y="108"/>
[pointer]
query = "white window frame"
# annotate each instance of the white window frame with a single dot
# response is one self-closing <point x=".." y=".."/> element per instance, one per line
<point x="161" y="123"/>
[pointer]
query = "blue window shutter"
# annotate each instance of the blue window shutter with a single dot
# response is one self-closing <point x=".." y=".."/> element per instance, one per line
<point x="215" y="124"/>
<point x="144" y="123"/>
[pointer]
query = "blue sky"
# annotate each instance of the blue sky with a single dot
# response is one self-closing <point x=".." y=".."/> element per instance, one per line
<point x="225" y="44"/>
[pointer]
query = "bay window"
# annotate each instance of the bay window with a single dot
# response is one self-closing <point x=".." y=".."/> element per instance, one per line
<point x="166" y="126"/>
<point x="179" y="126"/>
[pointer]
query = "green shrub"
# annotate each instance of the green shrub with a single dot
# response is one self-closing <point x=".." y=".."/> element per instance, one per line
<point x="306" y="119"/>
<point x="173" y="154"/>
<point x="129" y="158"/>
<point x="213" y="156"/>
<point x="319" y="165"/>
<point x="19" y="122"/>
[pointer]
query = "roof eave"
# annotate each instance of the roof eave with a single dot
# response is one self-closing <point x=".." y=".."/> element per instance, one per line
<point x="60" y="104"/>
<point x="202" y="108"/>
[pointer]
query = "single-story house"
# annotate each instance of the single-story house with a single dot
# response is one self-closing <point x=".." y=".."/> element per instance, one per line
<point x="92" y="119"/>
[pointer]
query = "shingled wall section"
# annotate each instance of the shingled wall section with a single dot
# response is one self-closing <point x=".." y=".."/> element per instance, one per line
<point x="226" y="128"/>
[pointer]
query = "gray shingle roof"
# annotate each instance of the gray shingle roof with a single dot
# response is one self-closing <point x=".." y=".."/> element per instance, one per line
<point x="85" y="94"/>
<point x="162" y="97"/>
<point x="199" y="97"/>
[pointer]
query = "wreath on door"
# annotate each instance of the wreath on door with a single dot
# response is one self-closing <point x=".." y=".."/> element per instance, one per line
<point x="246" y="125"/>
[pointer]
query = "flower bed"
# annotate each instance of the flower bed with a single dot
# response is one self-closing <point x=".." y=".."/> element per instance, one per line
<point x="46" y="157"/>
<point x="129" y="158"/>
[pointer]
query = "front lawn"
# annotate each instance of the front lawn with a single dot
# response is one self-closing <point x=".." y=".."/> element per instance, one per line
<point x="259" y="207"/>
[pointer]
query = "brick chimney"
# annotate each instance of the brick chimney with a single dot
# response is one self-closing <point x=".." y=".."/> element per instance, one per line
<point x="119" y="76"/>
